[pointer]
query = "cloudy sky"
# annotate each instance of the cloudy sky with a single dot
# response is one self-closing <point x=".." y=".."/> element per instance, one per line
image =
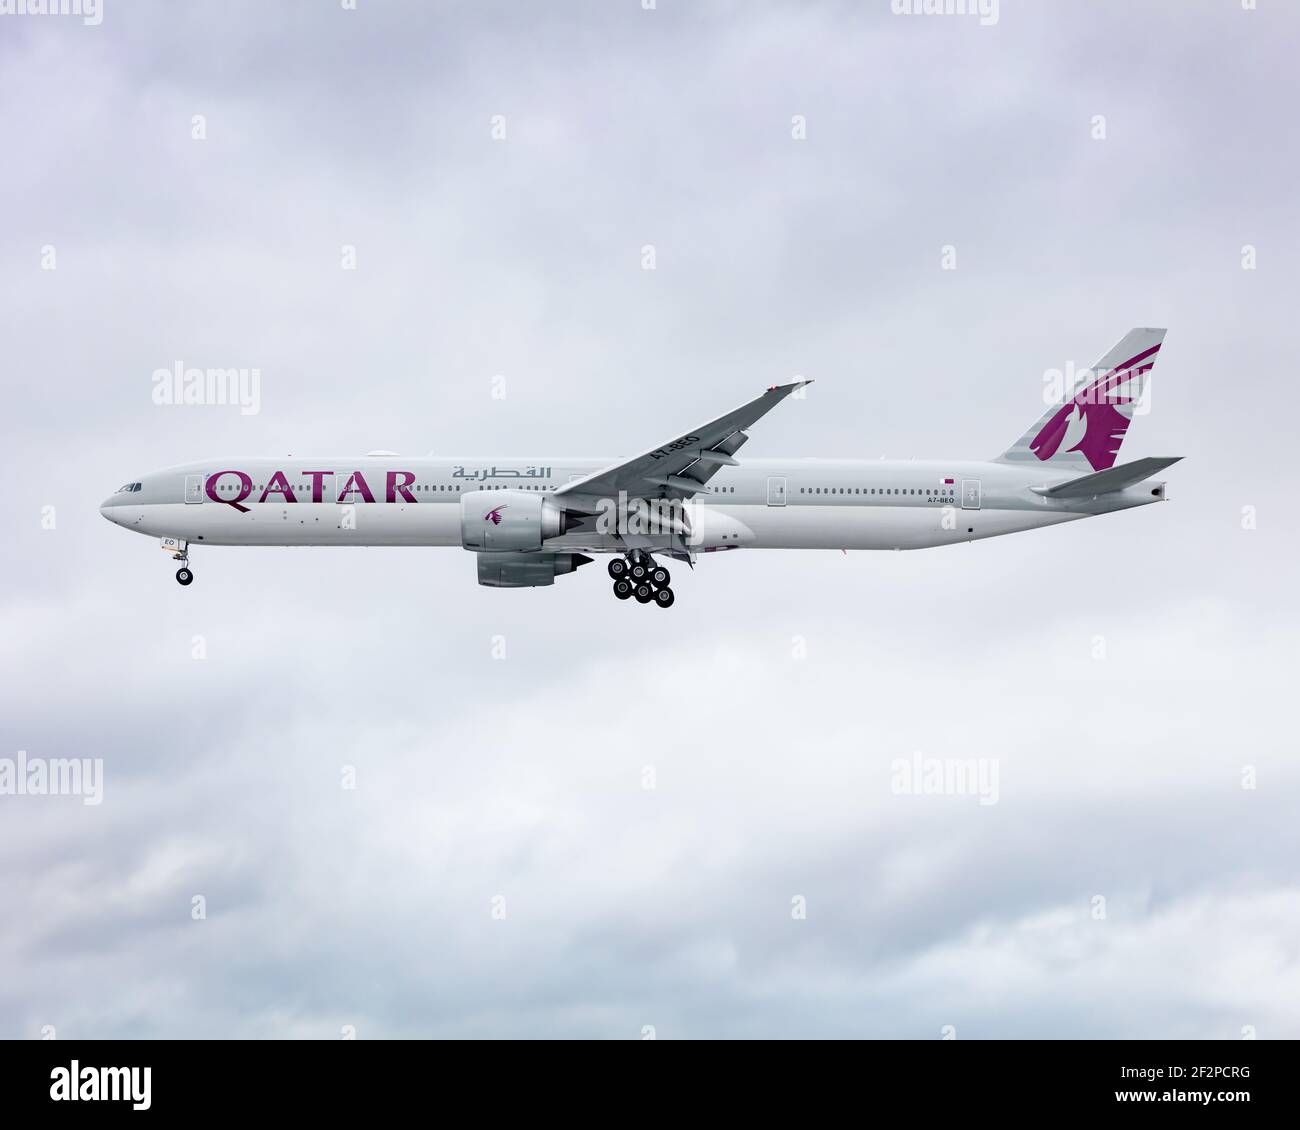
<point x="501" y="867"/>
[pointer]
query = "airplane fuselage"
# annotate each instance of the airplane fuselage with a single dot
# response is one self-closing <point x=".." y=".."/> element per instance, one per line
<point x="529" y="521"/>
<point x="763" y="504"/>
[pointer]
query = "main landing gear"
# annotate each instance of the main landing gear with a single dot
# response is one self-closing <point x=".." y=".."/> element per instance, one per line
<point x="638" y="576"/>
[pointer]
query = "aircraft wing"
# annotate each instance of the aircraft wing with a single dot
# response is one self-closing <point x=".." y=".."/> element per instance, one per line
<point x="683" y="466"/>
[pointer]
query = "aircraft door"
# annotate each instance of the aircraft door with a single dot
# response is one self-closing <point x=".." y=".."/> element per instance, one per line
<point x="193" y="488"/>
<point x="776" y="491"/>
<point x="970" y="494"/>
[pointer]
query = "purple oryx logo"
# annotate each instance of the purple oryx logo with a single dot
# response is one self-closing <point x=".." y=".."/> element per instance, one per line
<point x="1104" y="424"/>
<point x="494" y="516"/>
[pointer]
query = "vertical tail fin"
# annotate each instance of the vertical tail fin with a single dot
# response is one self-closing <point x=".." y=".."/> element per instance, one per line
<point x="1086" y="426"/>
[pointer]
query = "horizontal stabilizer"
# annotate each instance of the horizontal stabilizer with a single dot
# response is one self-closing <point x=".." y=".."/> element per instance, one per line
<point x="1112" y="479"/>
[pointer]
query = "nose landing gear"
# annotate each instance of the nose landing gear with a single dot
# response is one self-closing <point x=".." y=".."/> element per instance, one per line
<point x="638" y="576"/>
<point x="184" y="575"/>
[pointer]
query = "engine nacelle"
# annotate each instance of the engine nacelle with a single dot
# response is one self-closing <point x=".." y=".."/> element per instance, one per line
<point x="526" y="570"/>
<point x="498" y="520"/>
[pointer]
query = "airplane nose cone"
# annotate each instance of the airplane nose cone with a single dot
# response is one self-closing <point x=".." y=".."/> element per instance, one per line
<point x="107" y="511"/>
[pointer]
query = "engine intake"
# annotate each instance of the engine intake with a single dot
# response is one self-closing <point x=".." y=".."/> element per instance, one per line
<point x="498" y="520"/>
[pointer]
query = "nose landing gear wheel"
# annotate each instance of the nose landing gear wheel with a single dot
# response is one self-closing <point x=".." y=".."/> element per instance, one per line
<point x="644" y="593"/>
<point x="184" y="575"/>
<point x="664" y="597"/>
<point x="622" y="588"/>
<point x="617" y="568"/>
<point x="659" y="576"/>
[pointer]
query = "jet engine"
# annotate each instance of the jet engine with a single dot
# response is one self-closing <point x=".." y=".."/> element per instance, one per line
<point x="526" y="570"/>
<point x="497" y="520"/>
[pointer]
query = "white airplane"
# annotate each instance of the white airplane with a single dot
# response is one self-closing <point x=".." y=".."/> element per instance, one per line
<point x="531" y="520"/>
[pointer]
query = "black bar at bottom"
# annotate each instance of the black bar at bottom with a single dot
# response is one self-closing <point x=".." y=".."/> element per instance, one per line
<point x="337" y="1079"/>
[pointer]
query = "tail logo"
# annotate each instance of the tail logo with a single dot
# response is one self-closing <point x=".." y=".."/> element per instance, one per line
<point x="1098" y="410"/>
<point x="494" y="516"/>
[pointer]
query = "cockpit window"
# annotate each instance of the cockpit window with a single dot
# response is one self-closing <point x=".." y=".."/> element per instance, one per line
<point x="128" y="488"/>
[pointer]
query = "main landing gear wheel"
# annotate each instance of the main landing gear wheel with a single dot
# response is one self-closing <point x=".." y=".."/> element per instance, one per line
<point x="184" y="575"/>
<point x="640" y="576"/>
